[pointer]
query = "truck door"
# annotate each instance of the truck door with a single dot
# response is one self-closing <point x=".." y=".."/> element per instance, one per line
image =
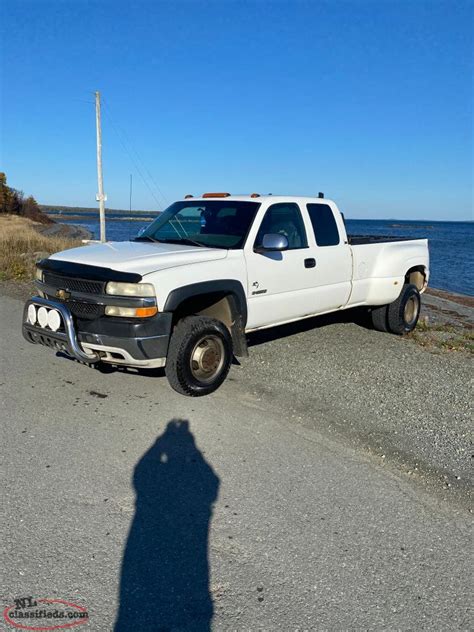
<point x="279" y="284"/>
<point x="332" y="273"/>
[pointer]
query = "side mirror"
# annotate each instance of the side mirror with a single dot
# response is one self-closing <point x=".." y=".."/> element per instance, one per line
<point x="273" y="242"/>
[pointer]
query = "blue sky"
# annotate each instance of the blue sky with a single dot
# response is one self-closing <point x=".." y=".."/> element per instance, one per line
<point x="370" y="102"/>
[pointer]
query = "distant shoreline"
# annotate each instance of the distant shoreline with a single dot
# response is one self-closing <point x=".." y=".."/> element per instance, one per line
<point x="126" y="218"/>
<point x="84" y="210"/>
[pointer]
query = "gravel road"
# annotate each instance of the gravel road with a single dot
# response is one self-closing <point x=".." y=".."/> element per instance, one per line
<point x="323" y="487"/>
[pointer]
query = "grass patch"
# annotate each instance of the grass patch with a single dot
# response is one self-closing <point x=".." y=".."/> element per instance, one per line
<point x="460" y="343"/>
<point x="21" y="245"/>
<point x="443" y="337"/>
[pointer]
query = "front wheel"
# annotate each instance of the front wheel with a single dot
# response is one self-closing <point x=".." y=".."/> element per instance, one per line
<point x="199" y="356"/>
<point x="403" y="314"/>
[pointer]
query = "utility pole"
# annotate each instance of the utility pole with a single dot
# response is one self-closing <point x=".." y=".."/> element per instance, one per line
<point x="100" y="197"/>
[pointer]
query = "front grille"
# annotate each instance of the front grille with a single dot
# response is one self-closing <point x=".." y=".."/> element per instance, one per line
<point x="72" y="284"/>
<point x="85" y="310"/>
<point x="88" y="311"/>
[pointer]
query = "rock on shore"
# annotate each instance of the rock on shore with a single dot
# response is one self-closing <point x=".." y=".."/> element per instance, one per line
<point x="70" y="231"/>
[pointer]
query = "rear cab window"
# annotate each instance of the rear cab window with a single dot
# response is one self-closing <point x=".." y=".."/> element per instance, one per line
<point x="324" y="224"/>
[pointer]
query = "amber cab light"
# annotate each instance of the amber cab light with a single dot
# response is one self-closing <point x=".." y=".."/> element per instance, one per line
<point x="219" y="195"/>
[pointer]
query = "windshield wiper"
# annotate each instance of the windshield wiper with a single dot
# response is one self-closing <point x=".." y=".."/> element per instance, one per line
<point x="184" y="242"/>
<point x="144" y="238"/>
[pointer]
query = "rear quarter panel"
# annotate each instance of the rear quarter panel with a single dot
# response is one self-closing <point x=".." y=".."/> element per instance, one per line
<point x="379" y="269"/>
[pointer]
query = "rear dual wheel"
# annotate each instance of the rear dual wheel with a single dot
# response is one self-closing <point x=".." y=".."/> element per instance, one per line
<point x="401" y="316"/>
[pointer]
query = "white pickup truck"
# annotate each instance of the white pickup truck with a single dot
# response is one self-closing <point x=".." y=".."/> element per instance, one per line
<point x="210" y="269"/>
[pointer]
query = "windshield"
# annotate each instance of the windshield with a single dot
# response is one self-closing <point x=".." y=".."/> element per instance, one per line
<point x="212" y="223"/>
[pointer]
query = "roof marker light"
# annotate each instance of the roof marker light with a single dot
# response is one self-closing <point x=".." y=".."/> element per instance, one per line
<point x="213" y="195"/>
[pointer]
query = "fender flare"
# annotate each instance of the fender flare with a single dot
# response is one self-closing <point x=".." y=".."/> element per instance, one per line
<point x="238" y="305"/>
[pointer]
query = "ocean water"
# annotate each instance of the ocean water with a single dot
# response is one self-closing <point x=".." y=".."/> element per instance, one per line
<point x="451" y="244"/>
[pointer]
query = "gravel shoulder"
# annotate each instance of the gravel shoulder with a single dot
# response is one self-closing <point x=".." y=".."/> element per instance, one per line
<point x="399" y="401"/>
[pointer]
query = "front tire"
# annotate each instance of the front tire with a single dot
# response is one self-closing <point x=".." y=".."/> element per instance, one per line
<point x="199" y="356"/>
<point x="403" y="314"/>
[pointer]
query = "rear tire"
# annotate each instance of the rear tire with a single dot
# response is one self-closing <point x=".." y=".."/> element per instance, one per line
<point x="378" y="317"/>
<point x="403" y="313"/>
<point x="199" y="356"/>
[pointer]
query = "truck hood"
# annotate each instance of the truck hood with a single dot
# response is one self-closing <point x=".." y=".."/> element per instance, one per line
<point x="138" y="256"/>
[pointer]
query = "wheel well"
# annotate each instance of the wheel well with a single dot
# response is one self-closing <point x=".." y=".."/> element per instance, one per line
<point x="215" y="305"/>
<point x="417" y="276"/>
<point x="220" y="305"/>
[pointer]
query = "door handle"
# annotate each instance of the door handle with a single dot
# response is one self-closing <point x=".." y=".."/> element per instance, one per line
<point x="310" y="263"/>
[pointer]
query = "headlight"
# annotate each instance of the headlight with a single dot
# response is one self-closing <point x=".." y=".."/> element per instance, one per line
<point x="38" y="274"/>
<point x="130" y="289"/>
<point x="130" y="312"/>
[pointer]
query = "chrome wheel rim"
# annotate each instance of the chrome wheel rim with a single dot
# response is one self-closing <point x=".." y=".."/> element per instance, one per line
<point x="207" y="358"/>
<point x="410" y="311"/>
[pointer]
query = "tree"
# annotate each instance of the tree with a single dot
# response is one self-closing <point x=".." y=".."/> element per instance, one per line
<point x="13" y="202"/>
<point x="31" y="209"/>
<point x="4" y="193"/>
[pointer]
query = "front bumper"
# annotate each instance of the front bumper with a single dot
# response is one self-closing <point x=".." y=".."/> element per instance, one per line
<point x="106" y="339"/>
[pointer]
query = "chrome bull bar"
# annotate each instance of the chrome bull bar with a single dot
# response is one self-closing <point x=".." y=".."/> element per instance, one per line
<point x="59" y="340"/>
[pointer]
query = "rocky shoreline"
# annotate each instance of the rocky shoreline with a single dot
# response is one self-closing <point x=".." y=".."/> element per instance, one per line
<point x="70" y="231"/>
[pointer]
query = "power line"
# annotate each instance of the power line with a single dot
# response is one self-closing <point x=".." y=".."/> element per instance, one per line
<point x="139" y="171"/>
<point x="124" y="139"/>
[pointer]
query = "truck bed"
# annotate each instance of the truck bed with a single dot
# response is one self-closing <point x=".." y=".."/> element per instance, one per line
<point x="358" y="240"/>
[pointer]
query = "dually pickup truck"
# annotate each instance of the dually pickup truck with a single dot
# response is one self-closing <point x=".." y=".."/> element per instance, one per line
<point x="208" y="270"/>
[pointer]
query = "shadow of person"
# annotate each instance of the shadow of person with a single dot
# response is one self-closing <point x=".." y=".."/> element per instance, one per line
<point x="164" y="581"/>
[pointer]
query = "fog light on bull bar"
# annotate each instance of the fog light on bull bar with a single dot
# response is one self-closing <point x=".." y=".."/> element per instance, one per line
<point x="32" y="314"/>
<point x="43" y="317"/>
<point x="54" y="320"/>
<point x="130" y="312"/>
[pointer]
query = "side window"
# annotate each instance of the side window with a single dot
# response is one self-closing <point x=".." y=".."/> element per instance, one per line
<point x="284" y="218"/>
<point x="324" y="224"/>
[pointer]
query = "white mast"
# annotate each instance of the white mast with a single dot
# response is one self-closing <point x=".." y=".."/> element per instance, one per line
<point x="101" y="197"/>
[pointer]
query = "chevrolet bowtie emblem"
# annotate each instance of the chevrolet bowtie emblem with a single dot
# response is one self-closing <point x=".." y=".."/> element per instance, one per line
<point x="63" y="294"/>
